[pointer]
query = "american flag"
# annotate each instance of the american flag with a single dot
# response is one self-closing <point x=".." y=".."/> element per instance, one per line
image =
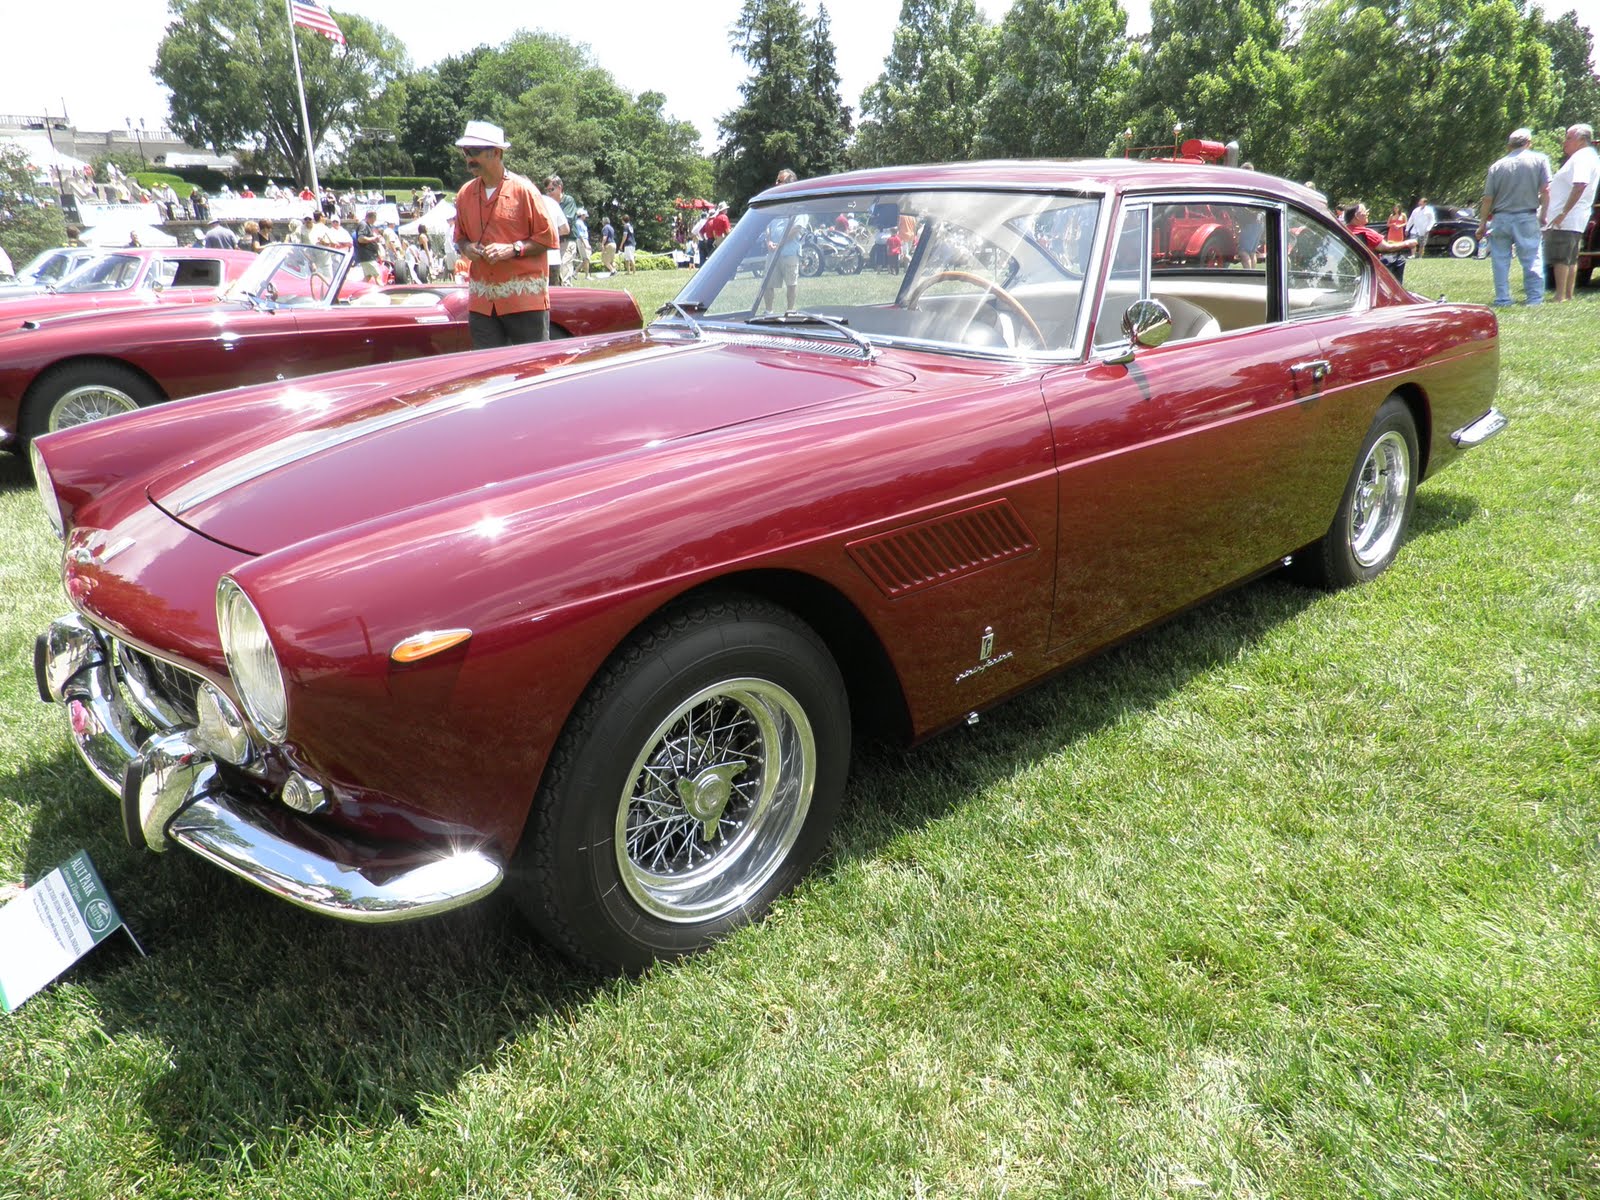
<point x="314" y="14"/>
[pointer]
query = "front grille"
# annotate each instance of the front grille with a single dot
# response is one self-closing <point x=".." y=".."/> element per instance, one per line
<point x="164" y="695"/>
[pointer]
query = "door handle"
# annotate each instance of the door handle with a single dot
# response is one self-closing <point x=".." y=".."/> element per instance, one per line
<point x="1317" y="368"/>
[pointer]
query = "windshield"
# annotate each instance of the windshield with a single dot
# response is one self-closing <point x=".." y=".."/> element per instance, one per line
<point x="286" y="273"/>
<point x="111" y="273"/>
<point x="978" y="270"/>
<point x="48" y="266"/>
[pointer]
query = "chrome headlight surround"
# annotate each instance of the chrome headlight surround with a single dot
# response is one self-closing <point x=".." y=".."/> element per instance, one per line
<point x="47" y="491"/>
<point x="252" y="662"/>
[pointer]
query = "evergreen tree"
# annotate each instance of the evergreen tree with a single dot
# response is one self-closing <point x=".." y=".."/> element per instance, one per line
<point x="761" y="137"/>
<point x="825" y="125"/>
<point x="1224" y="73"/>
<point x="1062" y="73"/>
<point x="924" y="107"/>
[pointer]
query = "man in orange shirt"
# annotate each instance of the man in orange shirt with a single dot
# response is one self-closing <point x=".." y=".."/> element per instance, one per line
<point x="503" y="233"/>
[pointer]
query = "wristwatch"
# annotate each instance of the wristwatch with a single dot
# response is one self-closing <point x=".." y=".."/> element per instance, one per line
<point x="518" y="247"/>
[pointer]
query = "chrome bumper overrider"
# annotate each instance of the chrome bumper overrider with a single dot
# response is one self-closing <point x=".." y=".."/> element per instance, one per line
<point x="172" y="790"/>
<point x="1475" y="433"/>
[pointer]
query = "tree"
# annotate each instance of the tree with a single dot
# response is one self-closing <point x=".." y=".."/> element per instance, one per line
<point x="1416" y="96"/>
<point x="1577" y="89"/>
<point x="924" y="107"/>
<point x="562" y="114"/>
<point x="1062" y="73"/>
<point x="26" y="225"/>
<point x="824" y="119"/>
<point x="645" y="161"/>
<point x="1223" y="72"/>
<point x="783" y="121"/>
<point x="433" y="112"/>
<point x="228" y="65"/>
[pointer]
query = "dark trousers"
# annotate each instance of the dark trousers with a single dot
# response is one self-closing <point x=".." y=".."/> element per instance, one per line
<point x="508" y="329"/>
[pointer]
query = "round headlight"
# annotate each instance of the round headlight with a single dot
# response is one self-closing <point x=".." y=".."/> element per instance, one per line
<point x="47" y="491"/>
<point x="251" y="661"/>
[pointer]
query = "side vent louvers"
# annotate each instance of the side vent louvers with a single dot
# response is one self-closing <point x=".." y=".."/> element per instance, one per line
<point x="945" y="548"/>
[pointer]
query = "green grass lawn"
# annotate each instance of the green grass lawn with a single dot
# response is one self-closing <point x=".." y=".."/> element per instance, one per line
<point x="1297" y="895"/>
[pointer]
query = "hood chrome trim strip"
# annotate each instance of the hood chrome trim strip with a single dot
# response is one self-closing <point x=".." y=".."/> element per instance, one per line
<point x="258" y="463"/>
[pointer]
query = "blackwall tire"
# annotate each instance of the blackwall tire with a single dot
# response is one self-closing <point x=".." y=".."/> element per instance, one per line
<point x="1375" y="509"/>
<point x="696" y="781"/>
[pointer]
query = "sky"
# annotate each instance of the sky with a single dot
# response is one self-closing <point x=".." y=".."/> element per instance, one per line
<point x="98" y="68"/>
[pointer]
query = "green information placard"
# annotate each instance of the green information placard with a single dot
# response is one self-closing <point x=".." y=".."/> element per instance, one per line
<point x="51" y="926"/>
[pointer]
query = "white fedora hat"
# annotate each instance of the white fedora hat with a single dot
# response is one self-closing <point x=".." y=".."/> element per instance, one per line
<point x="482" y="133"/>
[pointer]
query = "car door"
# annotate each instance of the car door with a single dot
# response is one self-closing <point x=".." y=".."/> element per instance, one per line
<point x="194" y="350"/>
<point x="379" y="327"/>
<point x="1178" y="468"/>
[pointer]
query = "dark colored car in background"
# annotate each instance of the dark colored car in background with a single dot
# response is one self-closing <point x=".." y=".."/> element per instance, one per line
<point x="1455" y="231"/>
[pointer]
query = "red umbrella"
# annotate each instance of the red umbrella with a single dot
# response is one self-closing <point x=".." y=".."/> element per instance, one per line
<point x="696" y="203"/>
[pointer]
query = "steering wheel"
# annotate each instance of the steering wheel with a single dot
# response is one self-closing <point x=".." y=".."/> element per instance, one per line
<point x="988" y="285"/>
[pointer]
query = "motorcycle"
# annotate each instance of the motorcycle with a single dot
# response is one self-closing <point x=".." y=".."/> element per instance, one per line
<point x="830" y="250"/>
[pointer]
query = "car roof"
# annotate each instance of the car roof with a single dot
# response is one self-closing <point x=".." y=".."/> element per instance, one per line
<point x="1097" y="174"/>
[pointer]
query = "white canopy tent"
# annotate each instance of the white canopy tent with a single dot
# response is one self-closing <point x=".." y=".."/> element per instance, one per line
<point x="437" y="221"/>
<point x="44" y="157"/>
<point x="112" y="237"/>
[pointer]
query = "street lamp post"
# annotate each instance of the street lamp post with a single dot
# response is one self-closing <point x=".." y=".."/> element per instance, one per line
<point x="138" y="135"/>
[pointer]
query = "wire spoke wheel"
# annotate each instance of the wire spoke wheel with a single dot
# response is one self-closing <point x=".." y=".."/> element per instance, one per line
<point x="91" y="402"/>
<point x="715" y="800"/>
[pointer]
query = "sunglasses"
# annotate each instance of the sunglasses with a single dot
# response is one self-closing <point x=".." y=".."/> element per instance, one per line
<point x="474" y="151"/>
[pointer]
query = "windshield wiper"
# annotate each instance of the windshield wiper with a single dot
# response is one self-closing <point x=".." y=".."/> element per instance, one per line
<point x="793" y="317"/>
<point x="683" y="310"/>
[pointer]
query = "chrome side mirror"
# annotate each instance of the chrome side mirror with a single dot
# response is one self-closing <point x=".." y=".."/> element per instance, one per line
<point x="1147" y="323"/>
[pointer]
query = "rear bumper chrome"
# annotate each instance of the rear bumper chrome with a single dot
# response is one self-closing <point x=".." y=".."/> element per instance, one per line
<point x="172" y="790"/>
<point x="1475" y="433"/>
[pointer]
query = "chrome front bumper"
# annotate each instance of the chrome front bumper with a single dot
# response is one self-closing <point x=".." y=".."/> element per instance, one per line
<point x="171" y="790"/>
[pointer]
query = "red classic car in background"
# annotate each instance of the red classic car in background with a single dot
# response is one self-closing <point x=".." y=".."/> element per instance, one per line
<point x="596" y="619"/>
<point x="124" y="278"/>
<point x="289" y="314"/>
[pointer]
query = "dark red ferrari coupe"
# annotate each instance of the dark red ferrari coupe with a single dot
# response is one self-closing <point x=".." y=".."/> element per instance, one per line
<point x="290" y="312"/>
<point x="595" y="620"/>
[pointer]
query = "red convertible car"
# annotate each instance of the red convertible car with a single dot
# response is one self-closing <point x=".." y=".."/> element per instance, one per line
<point x="596" y="620"/>
<point x="291" y="313"/>
<point x="127" y="278"/>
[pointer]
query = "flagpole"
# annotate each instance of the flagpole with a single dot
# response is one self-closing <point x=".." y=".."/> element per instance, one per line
<point x="305" y="116"/>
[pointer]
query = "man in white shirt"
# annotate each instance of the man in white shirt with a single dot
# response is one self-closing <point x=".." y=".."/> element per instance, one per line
<point x="1420" y="224"/>
<point x="1573" y="192"/>
<point x="558" y="222"/>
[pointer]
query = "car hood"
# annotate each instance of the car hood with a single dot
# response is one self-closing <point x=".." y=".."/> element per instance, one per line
<point x="345" y="449"/>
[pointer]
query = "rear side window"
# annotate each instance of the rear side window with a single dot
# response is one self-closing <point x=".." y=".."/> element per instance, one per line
<point x="1326" y="274"/>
